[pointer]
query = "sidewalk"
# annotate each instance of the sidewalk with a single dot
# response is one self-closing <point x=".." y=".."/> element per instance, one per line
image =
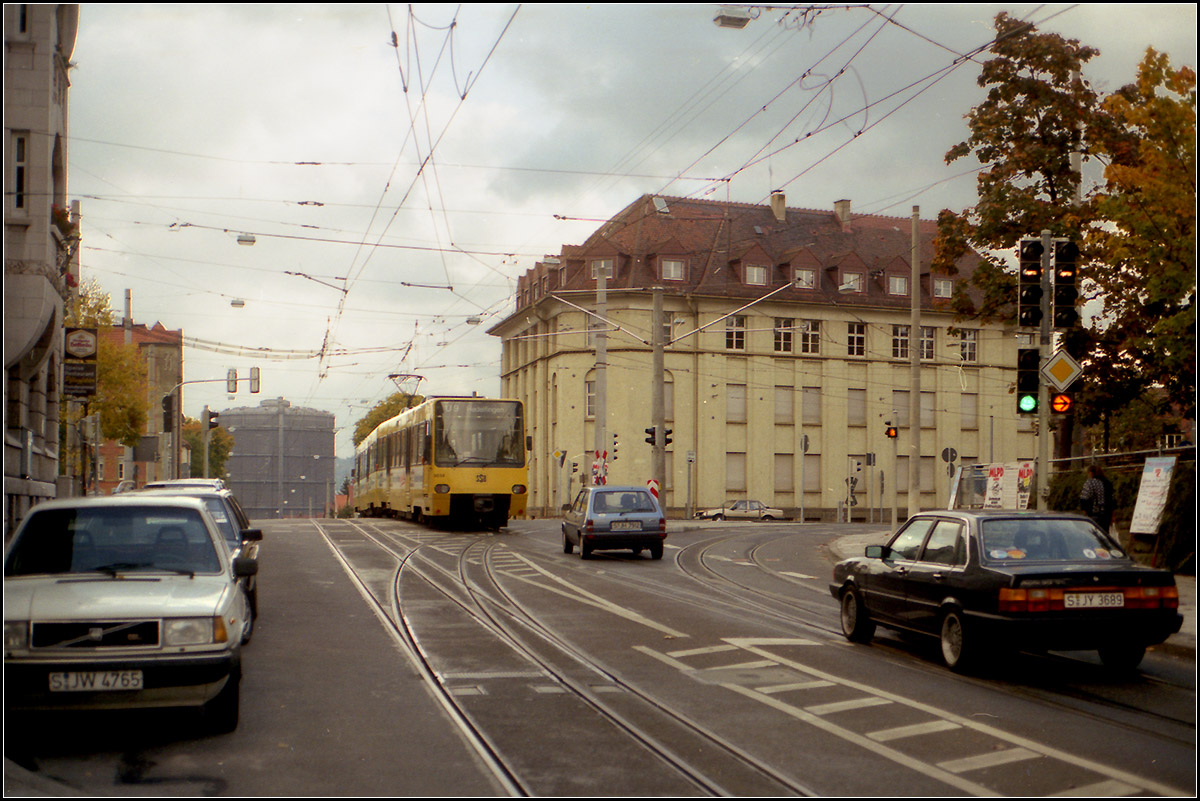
<point x="1182" y="642"/>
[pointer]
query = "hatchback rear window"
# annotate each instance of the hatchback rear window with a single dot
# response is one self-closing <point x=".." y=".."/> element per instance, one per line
<point x="1016" y="539"/>
<point x="623" y="501"/>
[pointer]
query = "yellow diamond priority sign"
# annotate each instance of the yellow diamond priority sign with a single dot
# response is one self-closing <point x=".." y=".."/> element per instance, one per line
<point x="1061" y="370"/>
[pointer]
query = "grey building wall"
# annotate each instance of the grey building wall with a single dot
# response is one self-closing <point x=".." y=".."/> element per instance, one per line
<point x="282" y="464"/>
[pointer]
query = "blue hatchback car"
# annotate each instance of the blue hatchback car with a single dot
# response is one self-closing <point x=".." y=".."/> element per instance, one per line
<point x="605" y="518"/>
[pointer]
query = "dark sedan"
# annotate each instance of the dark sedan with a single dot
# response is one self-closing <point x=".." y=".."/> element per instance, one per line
<point x="1022" y="580"/>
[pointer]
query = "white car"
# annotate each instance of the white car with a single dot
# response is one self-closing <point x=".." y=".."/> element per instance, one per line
<point x="743" y="510"/>
<point x="124" y="601"/>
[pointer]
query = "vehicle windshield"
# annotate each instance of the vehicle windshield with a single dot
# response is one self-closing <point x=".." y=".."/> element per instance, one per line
<point x="611" y="503"/>
<point x="113" y="540"/>
<point x="480" y="433"/>
<point x="1044" y="539"/>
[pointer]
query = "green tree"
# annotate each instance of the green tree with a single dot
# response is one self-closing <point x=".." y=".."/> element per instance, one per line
<point x="220" y="445"/>
<point x="122" y="381"/>
<point x="1036" y="114"/>
<point x="384" y="410"/>
<point x="1142" y="248"/>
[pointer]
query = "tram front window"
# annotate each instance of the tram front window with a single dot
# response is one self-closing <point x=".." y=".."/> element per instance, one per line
<point x="479" y="433"/>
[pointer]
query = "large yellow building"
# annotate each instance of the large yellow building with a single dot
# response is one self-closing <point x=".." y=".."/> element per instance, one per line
<point x="788" y="338"/>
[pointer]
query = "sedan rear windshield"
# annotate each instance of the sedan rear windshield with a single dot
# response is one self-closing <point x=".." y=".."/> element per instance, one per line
<point x="112" y="540"/>
<point x="1032" y="539"/>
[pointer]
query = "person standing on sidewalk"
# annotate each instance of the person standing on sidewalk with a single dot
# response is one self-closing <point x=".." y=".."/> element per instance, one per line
<point x="1096" y="497"/>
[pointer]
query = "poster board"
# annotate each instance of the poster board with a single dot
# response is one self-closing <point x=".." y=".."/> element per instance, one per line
<point x="1152" y="495"/>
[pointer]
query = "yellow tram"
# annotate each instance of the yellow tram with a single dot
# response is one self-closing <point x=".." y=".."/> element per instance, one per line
<point x="450" y="459"/>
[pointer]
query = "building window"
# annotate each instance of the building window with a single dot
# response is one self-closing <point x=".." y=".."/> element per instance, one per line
<point x="590" y="403"/>
<point x="783" y="334"/>
<point x="735" y="403"/>
<point x="927" y="342"/>
<point x="810" y="337"/>
<point x="20" y="168"/>
<point x="735" y="332"/>
<point x="968" y="344"/>
<point x="856" y="407"/>
<point x="735" y="472"/>
<point x="670" y="269"/>
<point x="943" y="287"/>
<point x="805" y="279"/>
<point x="900" y="341"/>
<point x="856" y="339"/>
<point x="851" y="282"/>
<point x="756" y="275"/>
<point x="785" y="406"/>
<point x="898" y="285"/>
<point x="602" y="264"/>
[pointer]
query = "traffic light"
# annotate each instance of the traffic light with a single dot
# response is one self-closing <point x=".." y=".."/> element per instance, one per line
<point x="1060" y="403"/>
<point x="168" y="407"/>
<point x="1029" y="363"/>
<point x="650" y="434"/>
<point x="1066" y="258"/>
<point x="890" y="431"/>
<point x="254" y="380"/>
<point x="667" y="436"/>
<point x="212" y="419"/>
<point x="1029" y="283"/>
<point x="614" y="448"/>
<point x="231" y="381"/>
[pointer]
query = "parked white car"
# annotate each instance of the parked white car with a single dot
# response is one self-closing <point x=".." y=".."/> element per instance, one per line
<point x="124" y="601"/>
<point x="743" y="510"/>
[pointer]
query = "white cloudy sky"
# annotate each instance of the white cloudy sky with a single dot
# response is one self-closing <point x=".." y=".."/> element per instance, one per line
<point x="307" y="126"/>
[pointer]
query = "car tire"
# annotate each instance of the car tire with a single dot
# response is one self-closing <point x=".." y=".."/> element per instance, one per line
<point x="221" y="713"/>
<point x="718" y="518"/>
<point x="567" y="546"/>
<point x="1122" y="657"/>
<point x="656" y="551"/>
<point x="585" y="552"/>
<point x="856" y="623"/>
<point x="959" y="651"/>
<point x="766" y="518"/>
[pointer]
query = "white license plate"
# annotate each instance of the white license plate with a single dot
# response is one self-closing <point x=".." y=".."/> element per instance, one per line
<point x="90" y="681"/>
<point x="1093" y="600"/>
<point x="626" y="525"/>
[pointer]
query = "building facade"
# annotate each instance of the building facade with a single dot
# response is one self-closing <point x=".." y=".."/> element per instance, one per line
<point x="282" y="463"/>
<point x="789" y="339"/>
<point x="160" y="454"/>
<point x="41" y="240"/>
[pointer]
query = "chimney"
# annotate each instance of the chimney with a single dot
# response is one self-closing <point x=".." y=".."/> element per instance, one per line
<point x="841" y="210"/>
<point x="779" y="206"/>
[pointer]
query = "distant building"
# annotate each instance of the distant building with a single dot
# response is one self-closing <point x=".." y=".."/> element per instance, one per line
<point x="282" y="463"/>
<point x="782" y="399"/>
<point x="41" y="246"/>
<point x="160" y="454"/>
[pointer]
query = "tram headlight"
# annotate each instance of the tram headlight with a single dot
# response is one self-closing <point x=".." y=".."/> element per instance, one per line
<point x="441" y="489"/>
<point x="518" y="489"/>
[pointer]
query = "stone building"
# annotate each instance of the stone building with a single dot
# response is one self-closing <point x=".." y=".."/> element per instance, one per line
<point x="41" y="245"/>
<point x="788" y="338"/>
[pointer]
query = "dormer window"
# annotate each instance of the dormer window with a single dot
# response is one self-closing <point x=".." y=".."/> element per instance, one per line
<point x="897" y="285"/>
<point x="851" y="282"/>
<point x="805" y="279"/>
<point x="602" y="264"/>
<point x="943" y="287"/>
<point x="756" y="275"/>
<point x="671" y="269"/>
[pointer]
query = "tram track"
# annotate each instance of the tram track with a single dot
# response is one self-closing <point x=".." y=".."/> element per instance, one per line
<point x="469" y="573"/>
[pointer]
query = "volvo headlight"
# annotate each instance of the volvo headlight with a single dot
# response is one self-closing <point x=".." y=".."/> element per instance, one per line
<point x="194" y="631"/>
<point x="16" y="635"/>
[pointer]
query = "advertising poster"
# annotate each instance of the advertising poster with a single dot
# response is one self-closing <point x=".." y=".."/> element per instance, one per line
<point x="1152" y="495"/>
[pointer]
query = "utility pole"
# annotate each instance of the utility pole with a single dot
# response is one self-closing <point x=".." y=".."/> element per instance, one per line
<point x="1042" y="472"/>
<point x="601" y="362"/>
<point x="914" y="353"/>
<point x="658" y="465"/>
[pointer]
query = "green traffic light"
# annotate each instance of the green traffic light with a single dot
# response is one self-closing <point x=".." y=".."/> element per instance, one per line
<point x="1027" y="403"/>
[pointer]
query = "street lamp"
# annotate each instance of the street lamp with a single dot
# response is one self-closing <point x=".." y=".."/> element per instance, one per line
<point x="732" y="17"/>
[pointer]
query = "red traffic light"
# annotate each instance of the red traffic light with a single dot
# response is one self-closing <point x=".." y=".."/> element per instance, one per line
<point x="890" y="432"/>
